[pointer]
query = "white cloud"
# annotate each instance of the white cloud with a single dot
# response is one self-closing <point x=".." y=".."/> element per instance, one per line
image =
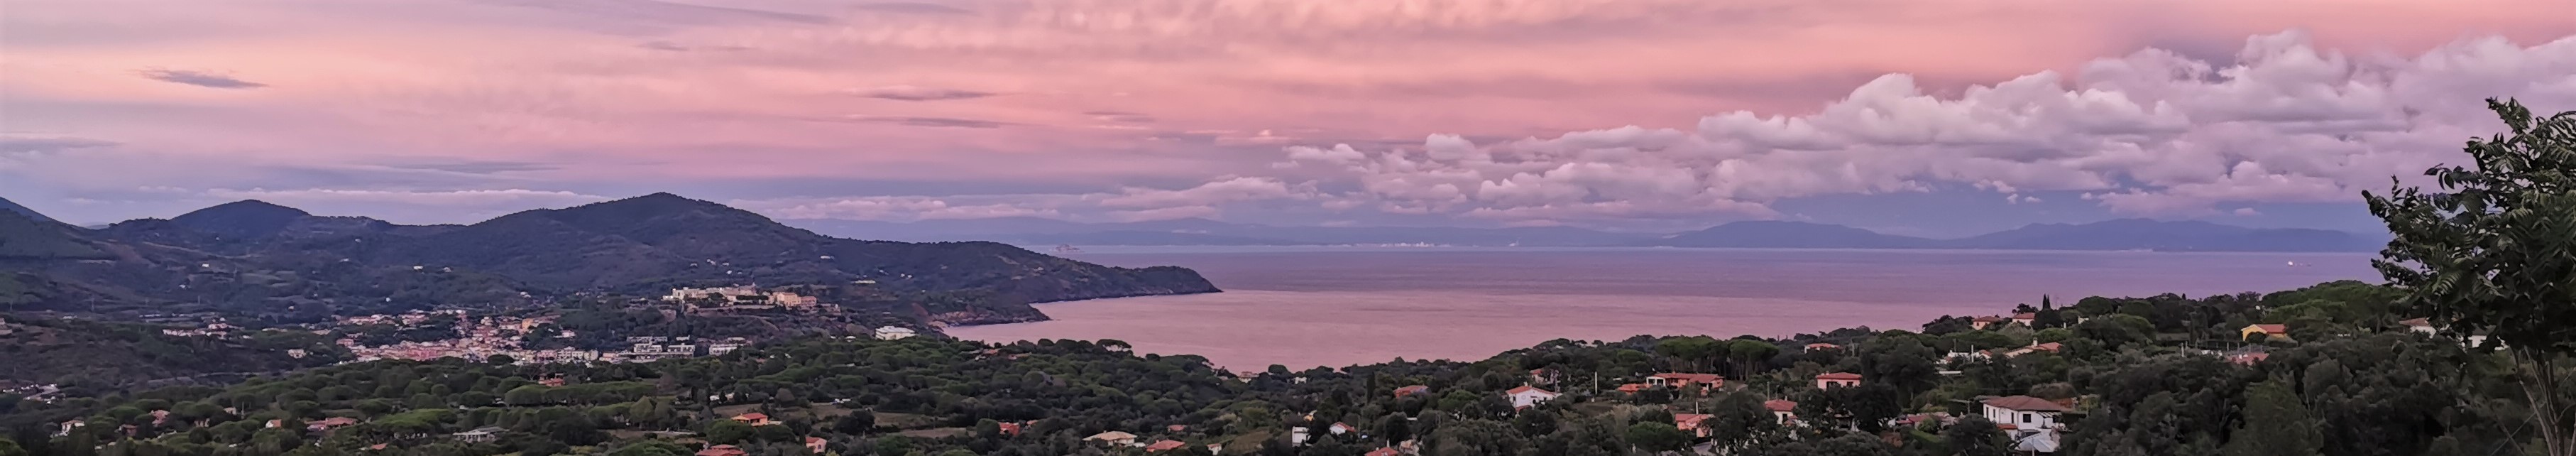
<point x="1220" y="191"/>
<point x="2150" y="133"/>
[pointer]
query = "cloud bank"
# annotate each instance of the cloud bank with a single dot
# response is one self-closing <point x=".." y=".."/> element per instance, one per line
<point x="1524" y="112"/>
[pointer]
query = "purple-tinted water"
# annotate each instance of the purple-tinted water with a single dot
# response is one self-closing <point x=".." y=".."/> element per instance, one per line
<point x="1305" y="307"/>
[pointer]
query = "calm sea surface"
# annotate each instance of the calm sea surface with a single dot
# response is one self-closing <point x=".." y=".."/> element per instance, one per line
<point x="1329" y="306"/>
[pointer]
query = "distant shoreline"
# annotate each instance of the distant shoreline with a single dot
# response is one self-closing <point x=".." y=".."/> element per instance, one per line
<point x="1296" y="248"/>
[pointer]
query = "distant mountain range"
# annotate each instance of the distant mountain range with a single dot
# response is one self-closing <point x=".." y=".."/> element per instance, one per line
<point x="2123" y="234"/>
<point x="257" y="257"/>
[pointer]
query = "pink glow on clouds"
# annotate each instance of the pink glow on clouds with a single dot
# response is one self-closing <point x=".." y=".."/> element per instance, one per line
<point x="1100" y="94"/>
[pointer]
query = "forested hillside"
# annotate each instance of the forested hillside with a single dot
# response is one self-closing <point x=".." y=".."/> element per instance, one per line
<point x="281" y="264"/>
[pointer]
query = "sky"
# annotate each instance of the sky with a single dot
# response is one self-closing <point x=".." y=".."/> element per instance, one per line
<point x="1942" y="118"/>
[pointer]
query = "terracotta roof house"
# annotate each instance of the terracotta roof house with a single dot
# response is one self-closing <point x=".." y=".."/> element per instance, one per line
<point x="1412" y="390"/>
<point x="1166" y="445"/>
<point x="1010" y="429"/>
<point x="722" y="450"/>
<point x="815" y="444"/>
<point x="1785" y="410"/>
<point x="1384" y="451"/>
<point x="1176" y="428"/>
<point x="1113" y="438"/>
<point x="1837" y="379"/>
<point x="331" y="423"/>
<point x="1985" y="321"/>
<point x="2269" y="331"/>
<point x="755" y="419"/>
<point x="1681" y="380"/>
<point x="1633" y="388"/>
<point x="1690" y="422"/>
<point x="1340" y="428"/>
<point x="1823" y="346"/>
<point x="2023" y="415"/>
<point x="1528" y="396"/>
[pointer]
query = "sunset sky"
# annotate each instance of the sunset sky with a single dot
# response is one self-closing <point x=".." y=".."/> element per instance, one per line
<point x="1936" y="118"/>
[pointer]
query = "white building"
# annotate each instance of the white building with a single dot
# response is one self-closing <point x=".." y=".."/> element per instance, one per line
<point x="894" y="332"/>
<point x="1528" y="396"/>
<point x="728" y="293"/>
<point x="2031" y="421"/>
<point x="2421" y="325"/>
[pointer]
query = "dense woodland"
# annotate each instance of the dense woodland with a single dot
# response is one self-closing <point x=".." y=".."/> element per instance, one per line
<point x="2362" y="383"/>
<point x="88" y="357"/>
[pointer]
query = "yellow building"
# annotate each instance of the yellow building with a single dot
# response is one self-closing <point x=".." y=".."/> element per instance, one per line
<point x="2273" y="332"/>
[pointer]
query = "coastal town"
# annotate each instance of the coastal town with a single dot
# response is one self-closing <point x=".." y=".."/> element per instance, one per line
<point x="479" y="334"/>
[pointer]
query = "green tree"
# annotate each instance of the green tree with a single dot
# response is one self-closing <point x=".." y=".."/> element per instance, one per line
<point x="728" y="432"/>
<point x="2494" y="251"/>
<point x="1975" y="436"/>
<point x="2276" y="424"/>
<point x="652" y="448"/>
<point x="1658" y="437"/>
<point x="858" y="422"/>
<point x="1748" y="355"/>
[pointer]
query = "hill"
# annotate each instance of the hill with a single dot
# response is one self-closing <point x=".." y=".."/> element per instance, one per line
<point x="1780" y="234"/>
<point x="2178" y="236"/>
<point x="273" y="260"/>
<point x="25" y="237"/>
<point x="9" y="206"/>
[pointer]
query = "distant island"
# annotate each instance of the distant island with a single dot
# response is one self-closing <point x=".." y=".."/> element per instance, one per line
<point x="2122" y="234"/>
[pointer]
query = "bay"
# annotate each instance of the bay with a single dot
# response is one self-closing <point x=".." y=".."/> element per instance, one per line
<point x="1337" y="306"/>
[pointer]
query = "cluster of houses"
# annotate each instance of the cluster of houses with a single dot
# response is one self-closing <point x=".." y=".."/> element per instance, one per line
<point x="740" y="296"/>
<point x="650" y="348"/>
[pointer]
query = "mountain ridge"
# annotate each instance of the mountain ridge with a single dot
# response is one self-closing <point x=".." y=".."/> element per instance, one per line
<point x="265" y="257"/>
<point x="12" y="206"/>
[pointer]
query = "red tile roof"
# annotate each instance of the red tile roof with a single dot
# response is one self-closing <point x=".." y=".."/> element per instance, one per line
<point x="1692" y="378"/>
<point x="2025" y="404"/>
<point x="1780" y="405"/>
<point x="1689" y="421"/>
<point x="2274" y="329"/>
<point x="1166" y="445"/>
<point x="722" y="450"/>
<point x="1382" y="451"/>
<point x="753" y="416"/>
<point x="2025" y="316"/>
<point x="1838" y="376"/>
<point x="1527" y="388"/>
<point x="1632" y="387"/>
<point x="1011" y="428"/>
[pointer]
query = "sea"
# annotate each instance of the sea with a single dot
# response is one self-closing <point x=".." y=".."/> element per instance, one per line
<point x="1338" y="306"/>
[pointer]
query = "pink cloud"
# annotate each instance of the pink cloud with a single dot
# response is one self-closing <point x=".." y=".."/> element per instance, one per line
<point x="1809" y="98"/>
